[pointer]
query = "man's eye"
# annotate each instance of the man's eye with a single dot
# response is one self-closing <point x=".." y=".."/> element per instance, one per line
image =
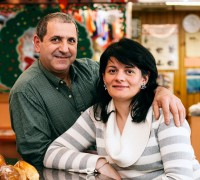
<point x="72" y="40"/>
<point x="56" y="39"/>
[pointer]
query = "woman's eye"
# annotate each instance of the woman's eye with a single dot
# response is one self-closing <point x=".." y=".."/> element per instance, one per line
<point x="129" y="71"/>
<point x="112" y="71"/>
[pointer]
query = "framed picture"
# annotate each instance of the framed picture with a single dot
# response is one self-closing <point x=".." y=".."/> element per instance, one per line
<point x="162" y="42"/>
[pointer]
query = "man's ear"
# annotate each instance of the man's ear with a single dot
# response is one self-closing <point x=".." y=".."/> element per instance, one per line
<point x="36" y="42"/>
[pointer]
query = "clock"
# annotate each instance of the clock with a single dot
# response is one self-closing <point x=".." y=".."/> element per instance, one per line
<point x="191" y="23"/>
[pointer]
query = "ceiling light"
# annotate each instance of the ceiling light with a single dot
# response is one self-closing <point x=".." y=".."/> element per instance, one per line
<point x="183" y="3"/>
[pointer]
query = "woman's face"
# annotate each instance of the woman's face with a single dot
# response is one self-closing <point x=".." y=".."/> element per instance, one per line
<point x="122" y="81"/>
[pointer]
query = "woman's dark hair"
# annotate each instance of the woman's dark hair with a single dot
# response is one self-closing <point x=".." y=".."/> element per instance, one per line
<point x="132" y="53"/>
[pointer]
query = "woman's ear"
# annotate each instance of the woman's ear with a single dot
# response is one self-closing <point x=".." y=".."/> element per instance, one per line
<point x="146" y="78"/>
<point x="103" y="76"/>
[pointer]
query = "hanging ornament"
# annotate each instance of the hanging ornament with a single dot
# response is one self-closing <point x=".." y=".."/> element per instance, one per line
<point x="63" y="5"/>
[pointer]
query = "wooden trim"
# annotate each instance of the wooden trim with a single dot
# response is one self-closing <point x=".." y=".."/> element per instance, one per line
<point x="7" y="135"/>
<point x="4" y="97"/>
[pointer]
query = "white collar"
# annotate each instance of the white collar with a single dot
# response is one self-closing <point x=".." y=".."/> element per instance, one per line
<point x="127" y="148"/>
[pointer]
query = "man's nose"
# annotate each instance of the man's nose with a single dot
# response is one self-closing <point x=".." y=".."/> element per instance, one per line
<point x="64" y="47"/>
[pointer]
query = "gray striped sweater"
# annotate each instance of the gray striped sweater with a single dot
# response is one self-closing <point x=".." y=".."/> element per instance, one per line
<point x="168" y="154"/>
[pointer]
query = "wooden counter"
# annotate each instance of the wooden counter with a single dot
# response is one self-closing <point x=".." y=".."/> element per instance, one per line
<point x="8" y="143"/>
<point x="7" y="136"/>
<point x="194" y="122"/>
<point x="54" y="174"/>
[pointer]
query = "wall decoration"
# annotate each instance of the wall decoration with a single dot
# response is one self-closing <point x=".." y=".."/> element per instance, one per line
<point x="192" y="53"/>
<point x="191" y="23"/>
<point x="25" y="49"/>
<point x="193" y="80"/>
<point x="16" y="45"/>
<point x="166" y="79"/>
<point x="162" y="41"/>
<point x="105" y="23"/>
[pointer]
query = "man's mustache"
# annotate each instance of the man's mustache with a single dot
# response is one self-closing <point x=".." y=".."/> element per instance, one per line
<point x="62" y="55"/>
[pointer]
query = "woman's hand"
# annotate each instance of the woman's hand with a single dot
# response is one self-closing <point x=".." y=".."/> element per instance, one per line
<point x="169" y="103"/>
<point x="103" y="167"/>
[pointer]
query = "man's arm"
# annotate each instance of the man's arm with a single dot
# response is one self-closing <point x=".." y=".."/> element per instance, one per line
<point x="30" y="124"/>
<point x="169" y="103"/>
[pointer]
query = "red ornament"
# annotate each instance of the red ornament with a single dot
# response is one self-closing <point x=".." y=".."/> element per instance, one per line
<point x="63" y="4"/>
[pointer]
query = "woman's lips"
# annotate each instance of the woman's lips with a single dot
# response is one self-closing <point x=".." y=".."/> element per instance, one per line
<point x="119" y="86"/>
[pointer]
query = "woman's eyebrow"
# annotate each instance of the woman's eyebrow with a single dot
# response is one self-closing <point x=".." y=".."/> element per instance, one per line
<point x="130" y="66"/>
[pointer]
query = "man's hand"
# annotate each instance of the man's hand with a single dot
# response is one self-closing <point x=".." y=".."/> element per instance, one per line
<point x="169" y="103"/>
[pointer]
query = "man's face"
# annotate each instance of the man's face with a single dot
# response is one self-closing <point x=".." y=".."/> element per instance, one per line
<point x="58" y="49"/>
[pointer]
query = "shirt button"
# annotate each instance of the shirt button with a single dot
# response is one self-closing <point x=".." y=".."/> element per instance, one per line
<point x="70" y="96"/>
<point x="57" y="88"/>
<point x="61" y="82"/>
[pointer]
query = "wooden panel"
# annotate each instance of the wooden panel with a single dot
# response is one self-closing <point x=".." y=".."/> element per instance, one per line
<point x="173" y="17"/>
<point x="195" y="134"/>
<point x="4" y="116"/>
<point x="7" y="136"/>
<point x="4" y="97"/>
<point x="8" y="149"/>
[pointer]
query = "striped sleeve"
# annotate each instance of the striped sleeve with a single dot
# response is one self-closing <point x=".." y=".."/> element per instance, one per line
<point x="66" y="152"/>
<point x="176" y="150"/>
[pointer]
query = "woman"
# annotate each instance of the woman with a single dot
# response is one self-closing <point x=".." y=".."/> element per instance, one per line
<point x="130" y="142"/>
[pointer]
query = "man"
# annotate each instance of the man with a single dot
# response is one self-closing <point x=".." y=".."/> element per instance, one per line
<point x="49" y="96"/>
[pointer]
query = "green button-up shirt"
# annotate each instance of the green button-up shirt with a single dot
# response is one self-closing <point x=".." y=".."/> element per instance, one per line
<point x="42" y="107"/>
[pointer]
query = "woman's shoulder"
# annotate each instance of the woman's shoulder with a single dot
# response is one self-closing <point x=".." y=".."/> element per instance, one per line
<point x="94" y="116"/>
<point x="162" y="124"/>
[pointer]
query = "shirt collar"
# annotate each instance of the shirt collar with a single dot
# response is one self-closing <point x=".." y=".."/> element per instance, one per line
<point x="54" y="79"/>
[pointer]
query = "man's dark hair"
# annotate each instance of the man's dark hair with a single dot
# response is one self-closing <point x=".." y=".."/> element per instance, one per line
<point x="41" y="28"/>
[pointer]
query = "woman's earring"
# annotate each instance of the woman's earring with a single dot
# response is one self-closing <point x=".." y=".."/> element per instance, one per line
<point x="143" y="86"/>
<point x="105" y="87"/>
